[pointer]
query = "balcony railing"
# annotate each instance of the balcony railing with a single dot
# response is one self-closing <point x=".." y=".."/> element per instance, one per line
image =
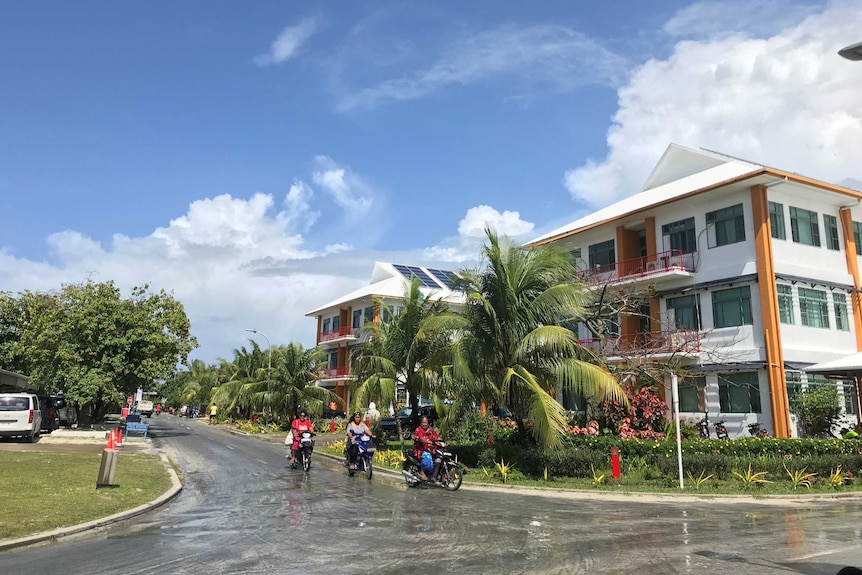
<point x="343" y="371"/>
<point x="640" y="267"/>
<point x="647" y="343"/>
<point x="346" y="331"/>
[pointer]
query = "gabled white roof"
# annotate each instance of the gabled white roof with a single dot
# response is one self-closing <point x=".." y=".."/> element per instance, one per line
<point x="389" y="282"/>
<point x="850" y="364"/>
<point x="680" y="170"/>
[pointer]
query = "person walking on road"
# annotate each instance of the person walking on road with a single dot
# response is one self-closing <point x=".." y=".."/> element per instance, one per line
<point x="213" y="413"/>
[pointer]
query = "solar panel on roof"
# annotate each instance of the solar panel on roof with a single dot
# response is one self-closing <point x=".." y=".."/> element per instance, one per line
<point x="412" y="271"/>
<point x="447" y="278"/>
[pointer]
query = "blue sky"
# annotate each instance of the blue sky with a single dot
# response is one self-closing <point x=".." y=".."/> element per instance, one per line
<point x="257" y="160"/>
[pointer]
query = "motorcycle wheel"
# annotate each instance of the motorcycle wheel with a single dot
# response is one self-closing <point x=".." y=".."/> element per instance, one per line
<point x="412" y="469"/>
<point x="453" y="478"/>
<point x="306" y="462"/>
<point x="368" y="469"/>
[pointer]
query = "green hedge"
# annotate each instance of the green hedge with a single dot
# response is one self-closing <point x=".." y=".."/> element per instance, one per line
<point x="576" y="456"/>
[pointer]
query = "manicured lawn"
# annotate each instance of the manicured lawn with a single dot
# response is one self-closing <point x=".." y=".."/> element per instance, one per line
<point x="42" y="491"/>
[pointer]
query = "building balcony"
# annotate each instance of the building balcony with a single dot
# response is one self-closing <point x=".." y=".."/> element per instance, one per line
<point x="335" y="372"/>
<point x="342" y="333"/>
<point x="669" y="263"/>
<point x="645" y="344"/>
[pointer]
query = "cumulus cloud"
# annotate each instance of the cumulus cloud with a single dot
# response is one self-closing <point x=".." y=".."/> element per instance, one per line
<point x="288" y="43"/>
<point x="548" y="55"/>
<point x="786" y="100"/>
<point x="471" y="233"/>
<point x="347" y="189"/>
<point x="731" y="17"/>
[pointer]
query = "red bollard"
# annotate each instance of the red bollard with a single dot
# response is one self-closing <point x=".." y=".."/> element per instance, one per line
<point x="332" y="426"/>
<point x="615" y="462"/>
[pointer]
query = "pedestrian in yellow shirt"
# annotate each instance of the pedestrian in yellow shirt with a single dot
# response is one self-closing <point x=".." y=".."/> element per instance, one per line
<point x="213" y="412"/>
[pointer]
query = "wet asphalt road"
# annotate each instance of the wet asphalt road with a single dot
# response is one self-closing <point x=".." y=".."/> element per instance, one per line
<point x="243" y="511"/>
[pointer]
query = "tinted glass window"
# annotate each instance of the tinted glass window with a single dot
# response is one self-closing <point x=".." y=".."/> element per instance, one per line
<point x="14" y="404"/>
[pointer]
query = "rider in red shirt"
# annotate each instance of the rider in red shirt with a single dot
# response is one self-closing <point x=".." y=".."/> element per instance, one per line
<point x="424" y="439"/>
<point x="297" y="427"/>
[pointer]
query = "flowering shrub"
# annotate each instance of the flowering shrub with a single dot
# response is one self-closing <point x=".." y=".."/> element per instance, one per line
<point x="644" y="417"/>
<point x="592" y="428"/>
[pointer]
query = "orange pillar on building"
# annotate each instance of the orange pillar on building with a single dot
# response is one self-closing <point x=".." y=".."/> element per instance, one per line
<point x="853" y="270"/>
<point x="769" y="311"/>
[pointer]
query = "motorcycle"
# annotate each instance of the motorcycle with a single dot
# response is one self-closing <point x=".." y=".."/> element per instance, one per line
<point x="306" y="446"/>
<point x="449" y="476"/>
<point x="364" y="454"/>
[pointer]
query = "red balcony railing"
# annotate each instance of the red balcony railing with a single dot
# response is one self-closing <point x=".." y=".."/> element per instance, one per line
<point x="337" y="333"/>
<point x="677" y="341"/>
<point x="640" y="267"/>
<point x="342" y="371"/>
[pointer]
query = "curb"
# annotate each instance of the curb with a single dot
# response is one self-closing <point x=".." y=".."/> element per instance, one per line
<point x="173" y="491"/>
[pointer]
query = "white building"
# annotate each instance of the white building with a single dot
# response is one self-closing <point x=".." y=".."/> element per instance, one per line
<point x="339" y="321"/>
<point x="752" y="274"/>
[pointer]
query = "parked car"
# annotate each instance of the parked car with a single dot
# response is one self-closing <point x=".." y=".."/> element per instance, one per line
<point x="67" y="415"/>
<point x="405" y="415"/>
<point x="50" y="419"/>
<point x="20" y="416"/>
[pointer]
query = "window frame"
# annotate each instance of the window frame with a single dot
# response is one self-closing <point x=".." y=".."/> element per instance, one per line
<point x="744" y="309"/>
<point x="681" y="235"/>
<point x="813" y="307"/>
<point x="695" y="306"/>
<point x="730" y="402"/>
<point x="776" y="221"/>
<point x="813" y="226"/>
<point x="785" y="304"/>
<point x="692" y="385"/>
<point x="842" y="318"/>
<point x="606" y="248"/>
<point x="857" y="237"/>
<point x="729" y="219"/>
<point x="833" y="238"/>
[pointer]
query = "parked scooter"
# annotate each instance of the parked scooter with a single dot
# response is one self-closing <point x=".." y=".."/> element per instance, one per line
<point x="364" y="455"/>
<point x="755" y="430"/>
<point x="449" y="476"/>
<point x="721" y="429"/>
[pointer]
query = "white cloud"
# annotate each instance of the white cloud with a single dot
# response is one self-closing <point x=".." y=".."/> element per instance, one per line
<point x="471" y="233"/>
<point x="347" y="189"/>
<point x="549" y="55"/>
<point x="288" y="42"/>
<point x="787" y="101"/>
<point x="732" y="17"/>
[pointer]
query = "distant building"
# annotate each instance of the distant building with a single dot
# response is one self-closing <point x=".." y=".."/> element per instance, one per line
<point x="751" y="274"/>
<point x="339" y="321"/>
<point x="11" y="382"/>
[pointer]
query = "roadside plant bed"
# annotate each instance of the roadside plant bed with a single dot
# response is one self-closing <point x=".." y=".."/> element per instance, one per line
<point x="43" y="491"/>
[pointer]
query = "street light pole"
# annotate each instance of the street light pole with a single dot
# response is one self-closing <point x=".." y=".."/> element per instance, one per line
<point x="270" y="349"/>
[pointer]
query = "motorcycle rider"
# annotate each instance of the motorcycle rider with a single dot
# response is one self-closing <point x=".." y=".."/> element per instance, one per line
<point x="355" y="428"/>
<point x="299" y="425"/>
<point x="425" y="440"/>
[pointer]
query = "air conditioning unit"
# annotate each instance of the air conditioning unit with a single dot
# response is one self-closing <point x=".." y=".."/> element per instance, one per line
<point x="653" y="266"/>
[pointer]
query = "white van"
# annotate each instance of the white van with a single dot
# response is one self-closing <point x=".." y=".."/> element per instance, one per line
<point x="20" y="416"/>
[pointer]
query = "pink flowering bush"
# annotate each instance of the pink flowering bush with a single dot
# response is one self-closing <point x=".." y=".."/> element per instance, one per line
<point x="643" y="418"/>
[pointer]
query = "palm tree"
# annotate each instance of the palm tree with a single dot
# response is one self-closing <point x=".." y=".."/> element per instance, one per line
<point x="291" y="384"/>
<point x="507" y="344"/>
<point x="393" y="353"/>
<point x="201" y="380"/>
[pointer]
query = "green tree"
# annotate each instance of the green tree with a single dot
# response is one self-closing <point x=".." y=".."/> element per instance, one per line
<point x="818" y="407"/>
<point x="508" y="346"/>
<point x="89" y="342"/>
<point x="394" y="353"/>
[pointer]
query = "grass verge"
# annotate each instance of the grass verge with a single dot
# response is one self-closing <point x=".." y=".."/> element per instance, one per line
<point x="43" y="491"/>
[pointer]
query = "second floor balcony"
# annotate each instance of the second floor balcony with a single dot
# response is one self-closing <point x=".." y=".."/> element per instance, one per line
<point x="671" y="261"/>
<point x="346" y="332"/>
<point x="335" y="372"/>
<point x="645" y="344"/>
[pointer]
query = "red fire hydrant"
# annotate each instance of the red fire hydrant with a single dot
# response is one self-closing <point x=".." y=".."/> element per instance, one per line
<point x="332" y="426"/>
<point x="615" y="462"/>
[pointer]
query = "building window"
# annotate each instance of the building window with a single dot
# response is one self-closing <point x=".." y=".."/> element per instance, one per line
<point x="813" y="308"/>
<point x="831" y="225"/>
<point x="335" y="323"/>
<point x="739" y="392"/>
<point x="680" y="236"/>
<point x="728" y="226"/>
<point x="804" y="227"/>
<point x="785" y="303"/>
<point x="776" y="220"/>
<point x="857" y="237"/>
<point x="574" y="401"/>
<point x="357" y="318"/>
<point x="327" y="323"/>
<point x="369" y="314"/>
<point x="602" y="254"/>
<point x="332" y="360"/>
<point x="794" y="383"/>
<point x="691" y="394"/>
<point x="685" y="312"/>
<point x="576" y="257"/>
<point x="848" y="390"/>
<point x="732" y="307"/>
<point x="839" y="303"/>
